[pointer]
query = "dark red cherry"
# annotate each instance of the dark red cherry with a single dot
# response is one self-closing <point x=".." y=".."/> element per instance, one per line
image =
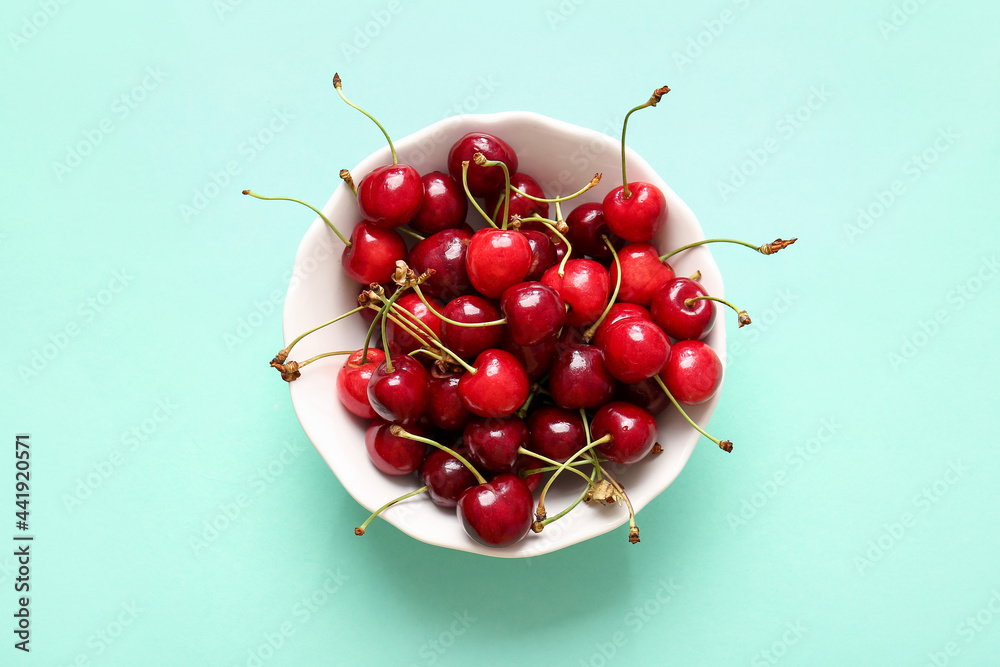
<point x="556" y="433"/>
<point x="444" y="207"/>
<point x="543" y="253"/>
<point x="635" y="349"/>
<point x="468" y="342"/>
<point x="415" y="309"/>
<point x="400" y="396"/>
<point x="493" y="443"/>
<point x="497" y="513"/>
<point x="647" y="394"/>
<point x="617" y="313"/>
<point x="391" y="454"/>
<point x="445" y="253"/>
<point x="525" y="463"/>
<point x="446" y="410"/>
<point x="633" y="432"/>
<point x="585" y="287"/>
<point x="572" y="336"/>
<point x="580" y="379"/>
<point x="373" y="253"/>
<point x="497" y="259"/>
<point x="537" y="358"/>
<point x="534" y="312"/>
<point x="446" y="477"/>
<point x="638" y="217"/>
<point x="483" y="181"/>
<point x="586" y="227"/>
<point x="352" y="381"/>
<point x="391" y="195"/>
<point x="642" y="273"/>
<point x="498" y="387"/>
<point x="693" y="372"/>
<point x="520" y="205"/>
<point x="678" y="320"/>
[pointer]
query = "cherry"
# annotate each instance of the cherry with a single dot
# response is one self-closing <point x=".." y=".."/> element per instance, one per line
<point x="372" y="255"/>
<point x="617" y="313"/>
<point x="397" y="338"/>
<point x="586" y="227"/>
<point x="390" y="195"/>
<point x="391" y="454"/>
<point x="446" y="477"/>
<point x="497" y="388"/>
<point x="469" y="342"/>
<point x="525" y="463"/>
<point x="671" y="312"/>
<point x="444" y="252"/>
<point x="536" y="359"/>
<point x="543" y="253"/>
<point x="399" y="394"/>
<point x="693" y="372"/>
<point x="352" y="381"/>
<point x="585" y="286"/>
<point x="633" y="432"/>
<point x="580" y="379"/>
<point x="497" y="259"/>
<point x="483" y="181"/>
<point x="647" y="394"/>
<point x="494" y="443"/>
<point x="642" y="273"/>
<point x="497" y="513"/>
<point x="534" y="312"/>
<point x="444" y="207"/>
<point x="556" y="433"/>
<point x="521" y="206"/>
<point x="635" y="349"/>
<point x="446" y="410"/>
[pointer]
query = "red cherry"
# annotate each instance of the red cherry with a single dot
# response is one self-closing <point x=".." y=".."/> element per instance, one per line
<point x="352" y="381"/>
<point x="520" y="205"/>
<point x="647" y="394"/>
<point x="446" y="410"/>
<point x="497" y="259"/>
<point x="633" y="432"/>
<point x="585" y="287"/>
<point x="401" y="395"/>
<point x="617" y="313"/>
<point x="493" y="443"/>
<point x="468" y="342"/>
<point x="693" y="372"/>
<point x="400" y="341"/>
<point x="543" y="253"/>
<point x="580" y="379"/>
<point x="444" y="207"/>
<point x="497" y="388"/>
<point x="391" y="195"/>
<point x="525" y="463"/>
<point x="678" y="320"/>
<point x="635" y="349"/>
<point x="445" y="253"/>
<point x="642" y="273"/>
<point x="483" y="181"/>
<point x="497" y="513"/>
<point x="391" y="454"/>
<point x="446" y="477"/>
<point x="638" y="217"/>
<point x="537" y="358"/>
<point x="534" y="312"/>
<point x="586" y="227"/>
<point x="556" y="433"/>
<point x="373" y="253"/>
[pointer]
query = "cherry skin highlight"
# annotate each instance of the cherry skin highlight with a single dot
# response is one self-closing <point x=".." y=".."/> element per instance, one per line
<point x="585" y="286"/>
<point x="444" y="205"/>
<point x="580" y="379"/>
<point x="498" y="387"/>
<point x="678" y="320"/>
<point x="640" y="216"/>
<point x="352" y="381"/>
<point x="693" y="372"/>
<point x="391" y="454"/>
<point x="617" y="313"/>
<point x="635" y="349"/>
<point x="534" y="312"/>
<point x="556" y="433"/>
<point x="493" y="443"/>
<point x="469" y="342"/>
<point x="400" y="396"/>
<point x="633" y="432"/>
<point x="373" y="253"/>
<point x="483" y="181"/>
<point x="498" y="513"/>
<point x="643" y="274"/>
<point x="446" y="477"/>
<point x="497" y="259"/>
<point x="391" y="195"/>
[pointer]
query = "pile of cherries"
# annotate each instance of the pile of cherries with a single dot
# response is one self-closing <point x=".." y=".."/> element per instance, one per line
<point x="533" y="345"/>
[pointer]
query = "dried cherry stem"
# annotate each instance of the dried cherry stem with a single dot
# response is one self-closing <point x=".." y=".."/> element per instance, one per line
<point x="289" y="347"/>
<point x="589" y="333"/>
<point x="766" y="249"/>
<point x="299" y="201"/>
<point x="360" y="530"/>
<point x="347" y="178"/>
<point x="337" y="84"/>
<point x="555" y="200"/>
<point x="400" y="432"/>
<point x="537" y="525"/>
<point x="742" y="314"/>
<point x="468" y="193"/>
<point x="633" y="530"/>
<point x="492" y="323"/>
<point x="651" y="102"/>
<point x="410" y="232"/>
<point x="696" y="276"/>
<point x="554" y="226"/>
<point x="724" y="445"/>
<point x="540" y="512"/>
<point x="536" y="455"/>
<point x="481" y="160"/>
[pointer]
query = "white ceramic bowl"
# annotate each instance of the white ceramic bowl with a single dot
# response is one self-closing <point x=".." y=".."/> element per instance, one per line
<point x="561" y="157"/>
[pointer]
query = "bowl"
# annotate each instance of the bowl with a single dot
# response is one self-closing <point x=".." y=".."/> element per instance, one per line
<point x="561" y="157"/>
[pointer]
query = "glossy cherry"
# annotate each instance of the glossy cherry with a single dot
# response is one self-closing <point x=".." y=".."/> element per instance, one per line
<point x="586" y="228"/>
<point x="638" y="217"/>
<point x="693" y="372"/>
<point x="497" y="259"/>
<point x="678" y="320"/>
<point x="618" y="312"/>
<point x="543" y="253"/>
<point x="519" y="206"/>
<point x="400" y="396"/>
<point x="642" y="273"/>
<point x="635" y="349"/>
<point x="444" y="252"/>
<point x="556" y="433"/>
<point x="498" y="387"/>
<point x="352" y="381"/>
<point x="579" y="378"/>
<point x="585" y="287"/>
<point x="415" y="309"/>
<point x="373" y="253"/>
<point x="391" y="195"/>
<point x="497" y="513"/>
<point x="534" y="312"/>
<point x="633" y="432"/>
<point x="391" y="454"/>
<point x="446" y="410"/>
<point x="483" y="181"/>
<point x="494" y="443"/>
<point x="647" y="394"/>
<point x="444" y="206"/>
<point x="446" y="477"/>
<point x="469" y="342"/>
<point x="536" y="359"/>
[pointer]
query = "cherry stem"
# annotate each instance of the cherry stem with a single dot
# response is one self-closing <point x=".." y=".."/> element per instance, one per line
<point x="400" y="432"/>
<point x="535" y="471"/>
<point x="412" y="233"/>
<point x="468" y="193"/>
<point x="651" y="102"/>
<point x="593" y="454"/>
<point x="299" y="201"/>
<point x="481" y="160"/>
<point x="337" y="85"/>
<point x="695" y="276"/>
<point x="491" y="323"/>
<point x="540" y="512"/>
<point x="766" y="249"/>
<point x="289" y="347"/>
<point x="360" y="530"/>
<point x="528" y="452"/>
<point x="523" y="410"/>
<point x="414" y="322"/>
<point x="303" y="364"/>
<point x="538" y="525"/>
<point x="347" y="178"/>
<point x="742" y="314"/>
<point x="633" y="530"/>
<point x="589" y="333"/>
<point x="555" y="200"/>
<point x="725" y="445"/>
<point x="429" y="353"/>
<point x="551" y="224"/>
<point x="385" y="341"/>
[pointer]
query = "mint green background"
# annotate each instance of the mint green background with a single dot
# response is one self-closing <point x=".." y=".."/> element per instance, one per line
<point x="900" y="426"/>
